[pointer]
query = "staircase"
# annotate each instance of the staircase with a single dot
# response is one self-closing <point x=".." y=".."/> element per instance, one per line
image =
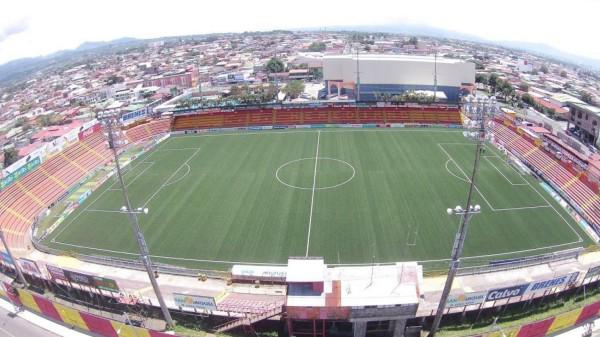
<point x="250" y="319"/>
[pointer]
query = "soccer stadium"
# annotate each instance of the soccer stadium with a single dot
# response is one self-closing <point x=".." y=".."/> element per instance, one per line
<point x="348" y="195"/>
<point x="338" y="218"/>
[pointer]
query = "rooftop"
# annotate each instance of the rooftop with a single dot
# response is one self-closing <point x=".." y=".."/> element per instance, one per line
<point x="396" y="58"/>
<point x="587" y="108"/>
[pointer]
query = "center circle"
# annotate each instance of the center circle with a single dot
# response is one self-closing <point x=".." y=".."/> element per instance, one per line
<point x="303" y="165"/>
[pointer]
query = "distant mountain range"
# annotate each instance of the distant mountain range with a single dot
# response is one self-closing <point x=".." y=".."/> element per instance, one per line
<point x="426" y="30"/>
<point x="19" y="69"/>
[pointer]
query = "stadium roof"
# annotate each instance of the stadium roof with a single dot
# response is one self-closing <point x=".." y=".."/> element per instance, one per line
<point x="306" y="270"/>
<point x="396" y="57"/>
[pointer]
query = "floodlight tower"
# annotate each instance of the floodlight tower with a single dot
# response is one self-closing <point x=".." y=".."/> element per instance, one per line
<point x="20" y="276"/>
<point x="484" y="106"/>
<point x="357" y="73"/>
<point x="132" y="215"/>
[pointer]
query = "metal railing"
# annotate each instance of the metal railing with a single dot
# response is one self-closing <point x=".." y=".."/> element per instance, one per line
<point x="522" y="262"/>
<point x="132" y="264"/>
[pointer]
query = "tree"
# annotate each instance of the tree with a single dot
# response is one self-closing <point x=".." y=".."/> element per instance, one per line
<point x="493" y="81"/>
<point x="587" y="97"/>
<point x="563" y="74"/>
<point x="524" y="87"/>
<point x="44" y="120"/>
<point x="317" y="46"/>
<point x="413" y="40"/>
<point x="544" y="68"/>
<point x="11" y="155"/>
<point x="112" y="79"/>
<point x="294" y="88"/>
<point x="316" y="73"/>
<point x="528" y="99"/>
<point x="21" y="121"/>
<point x="275" y="65"/>
<point x="481" y="78"/>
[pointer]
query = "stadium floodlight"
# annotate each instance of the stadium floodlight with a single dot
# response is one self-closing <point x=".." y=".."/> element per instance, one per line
<point x="132" y="215"/>
<point x="484" y="106"/>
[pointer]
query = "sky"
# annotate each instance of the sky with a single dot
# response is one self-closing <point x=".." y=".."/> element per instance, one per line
<point x="32" y="28"/>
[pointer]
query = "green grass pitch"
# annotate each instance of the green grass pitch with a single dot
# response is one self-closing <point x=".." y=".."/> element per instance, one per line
<point x="348" y="195"/>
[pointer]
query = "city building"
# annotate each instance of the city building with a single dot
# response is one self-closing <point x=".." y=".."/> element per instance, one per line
<point x="395" y="74"/>
<point x="585" y="118"/>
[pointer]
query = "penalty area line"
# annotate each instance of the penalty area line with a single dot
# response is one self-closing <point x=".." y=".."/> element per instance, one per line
<point x="312" y="197"/>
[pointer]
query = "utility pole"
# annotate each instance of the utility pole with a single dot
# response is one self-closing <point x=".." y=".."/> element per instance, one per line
<point x="199" y="84"/>
<point x="357" y="74"/>
<point x="435" y="76"/>
<point x="466" y="215"/>
<point x="132" y="215"/>
<point x="20" y="276"/>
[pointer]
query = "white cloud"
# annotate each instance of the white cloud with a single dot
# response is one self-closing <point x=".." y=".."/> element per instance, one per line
<point x="61" y="24"/>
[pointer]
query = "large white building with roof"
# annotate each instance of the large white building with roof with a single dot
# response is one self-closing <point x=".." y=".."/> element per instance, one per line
<point x="370" y="74"/>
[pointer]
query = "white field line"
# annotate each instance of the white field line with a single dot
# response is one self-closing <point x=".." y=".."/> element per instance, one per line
<point x="168" y="257"/>
<point x="548" y="204"/>
<point x="189" y="169"/>
<point x="481" y="193"/>
<point x="505" y="177"/>
<point x="543" y="198"/>
<point x="166" y="182"/>
<point x="555" y="210"/>
<point x="325" y="130"/>
<point x="466" y="176"/>
<point x="333" y="264"/>
<point x="97" y="198"/>
<point x="179" y="149"/>
<point x="312" y="197"/>
<point x="137" y="176"/>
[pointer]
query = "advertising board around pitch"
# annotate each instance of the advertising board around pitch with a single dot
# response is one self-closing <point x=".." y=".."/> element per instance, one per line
<point x="463" y="300"/>
<point x="195" y="301"/>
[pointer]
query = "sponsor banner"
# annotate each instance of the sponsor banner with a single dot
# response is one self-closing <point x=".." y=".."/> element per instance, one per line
<point x="268" y="127"/>
<point x="502" y="293"/>
<point x="267" y="273"/>
<point x="84" y="196"/>
<point x="19" y="172"/>
<point x="89" y="131"/>
<point x="193" y="301"/>
<point x="466" y="299"/>
<point x="135" y="115"/>
<point x="29" y="267"/>
<point x="369" y="126"/>
<point x="254" y="128"/>
<point x="593" y="272"/>
<point x="6" y="259"/>
<point x="79" y="278"/>
<point x="396" y="125"/>
<point x="56" y="273"/>
<point x="317" y="126"/>
<point x="106" y="284"/>
<point x="555" y="282"/>
<point x="304" y="126"/>
<point x="279" y="127"/>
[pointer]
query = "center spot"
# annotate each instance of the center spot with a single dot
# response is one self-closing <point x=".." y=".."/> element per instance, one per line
<point x="300" y="173"/>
